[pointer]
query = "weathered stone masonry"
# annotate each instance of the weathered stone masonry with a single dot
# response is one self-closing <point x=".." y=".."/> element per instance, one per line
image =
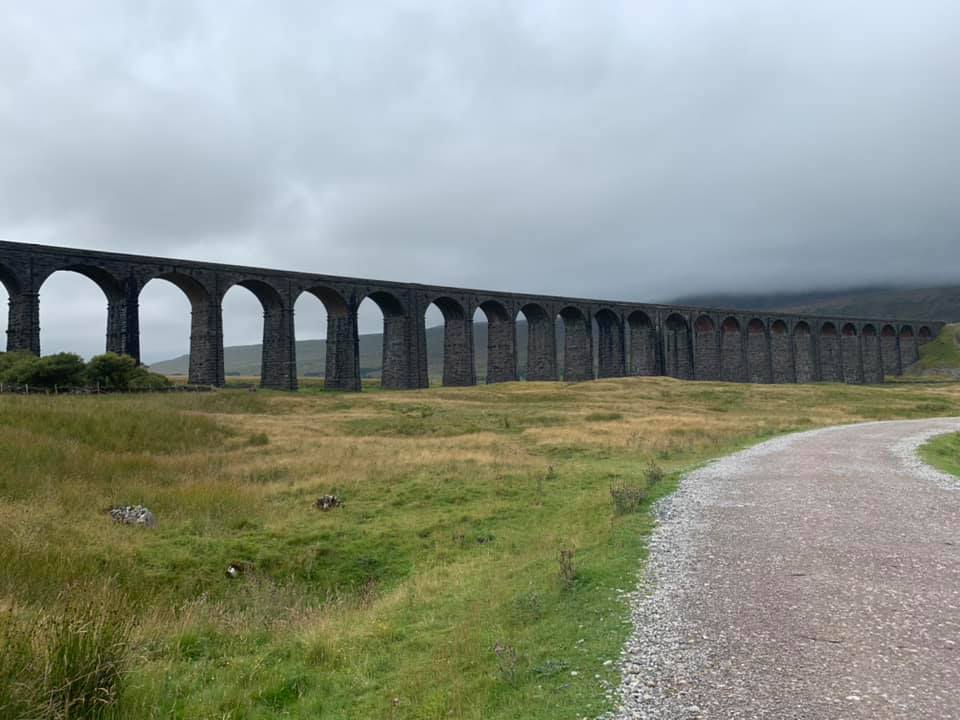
<point x="626" y="338"/>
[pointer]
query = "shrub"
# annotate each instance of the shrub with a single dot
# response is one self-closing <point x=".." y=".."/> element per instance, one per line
<point x="111" y="371"/>
<point x="627" y="498"/>
<point x="653" y="474"/>
<point x="121" y="372"/>
<point x="60" y="370"/>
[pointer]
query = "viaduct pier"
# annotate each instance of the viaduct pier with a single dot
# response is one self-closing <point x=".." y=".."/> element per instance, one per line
<point x="601" y="338"/>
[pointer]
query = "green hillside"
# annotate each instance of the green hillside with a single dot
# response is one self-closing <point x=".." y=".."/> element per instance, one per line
<point x="942" y="355"/>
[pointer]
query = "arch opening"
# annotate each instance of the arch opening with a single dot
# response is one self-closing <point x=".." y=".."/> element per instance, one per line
<point x="610" y="347"/>
<point x="449" y="327"/>
<point x="830" y="365"/>
<point x="72" y="304"/>
<point x="782" y="354"/>
<point x="851" y="356"/>
<point x="706" y="353"/>
<point x="397" y="361"/>
<point x="165" y="326"/>
<point x="643" y="354"/>
<point x="242" y="315"/>
<point x="733" y="365"/>
<point x="539" y="362"/>
<point x="677" y="348"/>
<point x="872" y="356"/>
<point x="495" y="342"/>
<point x="577" y="344"/>
<point x="805" y="357"/>
<point x="759" y="362"/>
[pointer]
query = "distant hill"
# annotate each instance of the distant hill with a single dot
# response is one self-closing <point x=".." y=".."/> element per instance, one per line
<point x="925" y="303"/>
<point x="896" y="303"/>
<point x="312" y="354"/>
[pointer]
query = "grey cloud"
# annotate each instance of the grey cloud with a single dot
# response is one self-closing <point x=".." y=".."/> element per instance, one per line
<point x="642" y="150"/>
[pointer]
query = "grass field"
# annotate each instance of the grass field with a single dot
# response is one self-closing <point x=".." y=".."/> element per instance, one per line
<point x="943" y="352"/>
<point x="943" y="452"/>
<point x="437" y="591"/>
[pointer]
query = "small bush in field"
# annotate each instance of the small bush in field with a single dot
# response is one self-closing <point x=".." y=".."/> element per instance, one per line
<point x="258" y="439"/>
<point x="120" y="372"/>
<point x="653" y="474"/>
<point x="627" y="498"/>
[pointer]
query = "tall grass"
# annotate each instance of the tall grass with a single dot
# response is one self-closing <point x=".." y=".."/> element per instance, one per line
<point x="66" y="663"/>
<point x="458" y="503"/>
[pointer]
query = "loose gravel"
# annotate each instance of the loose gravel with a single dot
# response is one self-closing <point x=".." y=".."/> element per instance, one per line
<point x="813" y="576"/>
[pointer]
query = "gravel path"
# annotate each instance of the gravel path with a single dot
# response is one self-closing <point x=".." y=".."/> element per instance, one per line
<point x="813" y="576"/>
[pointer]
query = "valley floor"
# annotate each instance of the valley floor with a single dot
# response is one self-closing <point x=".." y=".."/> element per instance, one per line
<point x="436" y="591"/>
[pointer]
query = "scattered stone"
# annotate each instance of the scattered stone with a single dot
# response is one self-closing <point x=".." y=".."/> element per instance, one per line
<point x="327" y="502"/>
<point x="133" y="515"/>
<point x="236" y="569"/>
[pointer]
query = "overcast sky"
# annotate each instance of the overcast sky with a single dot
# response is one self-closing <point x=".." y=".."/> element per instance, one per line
<point x="636" y="150"/>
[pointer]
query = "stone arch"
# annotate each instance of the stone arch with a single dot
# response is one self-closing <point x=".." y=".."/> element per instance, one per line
<point x="643" y="344"/>
<point x="458" y="361"/>
<point x="677" y="349"/>
<point x="829" y="353"/>
<point x="14" y="332"/>
<point x="732" y="361"/>
<point x="890" y="350"/>
<point x="9" y="280"/>
<point x="610" y="344"/>
<point x="781" y="353"/>
<point x="924" y="334"/>
<point x="870" y="351"/>
<point x="909" y="353"/>
<point x="501" y="342"/>
<point x="341" y="344"/>
<point x="851" y="360"/>
<point x="805" y="356"/>
<point x="577" y="344"/>
<point x="541" y="343"/>
<point x="112" y="289"/>
<point x="278" y="364"/>
<point x="182" y="305"/>
<point x="205" y="366"/>
<point x="403" y="363"/>
<point x="706" y="354"/>
<point x="759" y="367"/>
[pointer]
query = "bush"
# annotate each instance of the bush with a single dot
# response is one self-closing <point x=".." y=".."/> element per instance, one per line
<point x="627" y="498"/>
<point x="121" y="372"/>
<point x="111" y="371"/>
<point x="61" y="370"/>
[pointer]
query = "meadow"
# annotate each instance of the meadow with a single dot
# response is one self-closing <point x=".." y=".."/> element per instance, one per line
<point x="477" y="568"/>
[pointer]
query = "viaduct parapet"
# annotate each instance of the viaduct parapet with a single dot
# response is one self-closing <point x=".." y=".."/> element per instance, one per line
<point x="631" y="338"/>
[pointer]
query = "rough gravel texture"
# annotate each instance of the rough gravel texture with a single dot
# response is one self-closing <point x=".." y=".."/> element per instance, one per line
<point x="813" y="576"/>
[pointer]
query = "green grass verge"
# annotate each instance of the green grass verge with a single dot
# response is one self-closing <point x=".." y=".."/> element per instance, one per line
<point x="943" y="452"/>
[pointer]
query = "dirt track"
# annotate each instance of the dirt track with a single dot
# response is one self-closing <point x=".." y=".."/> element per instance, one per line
<point x="814" y="576"/>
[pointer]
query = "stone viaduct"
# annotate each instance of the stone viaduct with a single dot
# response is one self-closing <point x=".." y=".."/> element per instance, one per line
<point x="631" y="338"/>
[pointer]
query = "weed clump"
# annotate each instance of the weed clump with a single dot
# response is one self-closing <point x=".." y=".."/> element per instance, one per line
<point x="506" y="662"/>
<point x="627" y="498"/>
<point x="567" y="571"/>
<point x="258" y="440"/>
